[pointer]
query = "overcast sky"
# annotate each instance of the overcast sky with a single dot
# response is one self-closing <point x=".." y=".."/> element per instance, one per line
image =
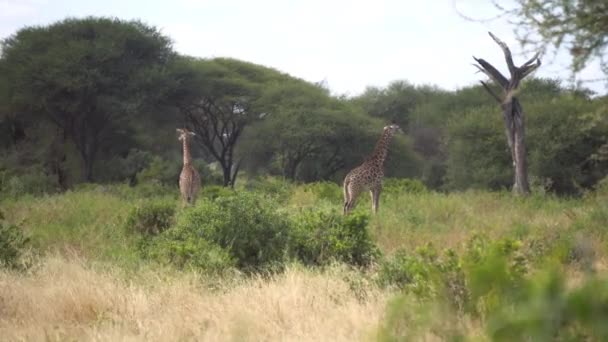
<point x="349" y="44"/>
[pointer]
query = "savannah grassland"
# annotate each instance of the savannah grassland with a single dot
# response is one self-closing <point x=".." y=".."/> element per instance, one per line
<point x="84" y="279"/>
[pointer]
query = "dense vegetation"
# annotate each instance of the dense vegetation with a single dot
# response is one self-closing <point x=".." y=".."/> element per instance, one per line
<point x="465" y="265"/>
<point x="98" y="100"/>
<point x="89" y="163"/>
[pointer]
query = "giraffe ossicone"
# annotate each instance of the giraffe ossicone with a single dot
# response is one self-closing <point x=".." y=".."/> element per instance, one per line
<point x="369" y="175"/>
<point x="189" y="179"/>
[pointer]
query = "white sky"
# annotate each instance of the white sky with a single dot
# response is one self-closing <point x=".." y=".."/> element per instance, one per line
<point x="350" y="44"/>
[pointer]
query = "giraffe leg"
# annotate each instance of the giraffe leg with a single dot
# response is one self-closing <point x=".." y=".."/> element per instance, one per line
<point x="346" y="196"/>
<point x="353" y="194"/>
<point x="375" y="192"/>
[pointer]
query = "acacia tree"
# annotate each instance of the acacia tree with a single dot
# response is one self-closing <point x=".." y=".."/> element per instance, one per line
<point x="218" y="99"/>
<point x="513" y="113"/>
<point x="84" y="75"/>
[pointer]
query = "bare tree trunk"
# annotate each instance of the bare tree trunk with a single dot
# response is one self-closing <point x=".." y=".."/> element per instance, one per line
<point x="512" y="110"/>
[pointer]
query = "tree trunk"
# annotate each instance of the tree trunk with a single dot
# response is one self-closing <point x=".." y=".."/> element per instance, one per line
<point x="521" y="184"/>
<point x="226" y="173"/>
<point x="512" y="110"/>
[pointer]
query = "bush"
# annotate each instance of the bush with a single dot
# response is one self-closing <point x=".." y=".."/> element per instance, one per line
<point x="495" y="272"/>
<point x="12" y="243"/>
<point x="215" y="191"/>
<point x="34" y="182"/>
<point x="176" y="248"/>
<point x="401" y="185"/>
<point x="320" y="237"/>
<point x="274" y="187"/>
<point x="325" y="190"/>
<point x="246" y="225"/>
<point x="151" y="217"/>
<point x="547" y="309"/>
<point x="426" y="274"/>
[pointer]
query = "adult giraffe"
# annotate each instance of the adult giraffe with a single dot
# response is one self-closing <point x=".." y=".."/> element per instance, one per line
<point x="189" y="179"/>
<point x="369" y="175"/>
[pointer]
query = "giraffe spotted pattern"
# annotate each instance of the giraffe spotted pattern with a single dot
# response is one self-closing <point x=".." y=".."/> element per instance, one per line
<point x="369" y="175"/>
<point x="189" y="179"/>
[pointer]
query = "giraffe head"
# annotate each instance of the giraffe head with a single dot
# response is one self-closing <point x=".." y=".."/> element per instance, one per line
<point x="393" y="128"/>
<point x="184" y="134"/>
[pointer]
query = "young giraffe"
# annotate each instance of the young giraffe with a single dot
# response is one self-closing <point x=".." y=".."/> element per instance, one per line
<point x="189" y="179"/>
<point x="368" y="176"/>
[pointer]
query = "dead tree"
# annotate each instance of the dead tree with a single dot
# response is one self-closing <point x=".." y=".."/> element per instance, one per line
<point x="512" y="111"/>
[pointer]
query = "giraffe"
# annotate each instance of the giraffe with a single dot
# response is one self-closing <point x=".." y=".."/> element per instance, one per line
<point x="368" y="176"/>
<point x="189" y="179"/>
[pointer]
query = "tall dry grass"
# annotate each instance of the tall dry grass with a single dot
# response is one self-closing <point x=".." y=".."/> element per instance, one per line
<point x="68" y="299"/>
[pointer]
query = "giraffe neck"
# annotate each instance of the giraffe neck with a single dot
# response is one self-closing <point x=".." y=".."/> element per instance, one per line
<point x="378" y="156"/>
<point x="187" y="156"/>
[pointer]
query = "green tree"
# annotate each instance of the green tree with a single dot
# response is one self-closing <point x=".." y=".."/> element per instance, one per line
<point x="580" y="26"/>
<point x="219" y="99"/>
<point x="87" y="76"/>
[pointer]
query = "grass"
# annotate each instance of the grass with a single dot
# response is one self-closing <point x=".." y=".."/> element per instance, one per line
<point x="89" y="282"/>
<point x="66" y="299"/>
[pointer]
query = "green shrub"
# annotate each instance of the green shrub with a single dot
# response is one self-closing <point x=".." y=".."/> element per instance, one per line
<point x="549" y="311"/>
<point x="426" y="274"/>
<point x="187" y="252"/>
<point x="246" y="225"/>
<point x="325" y="190"/>
<point x="320" y="237"/>
<point x="495" y="272"/>
<point x="12" y="244"/>
<point x="215" y="191"/>
<point x="151" y="217"/>
<point x="403" y="185"/>
<point x="33" y="182"/>
<point x="269" y="186"/>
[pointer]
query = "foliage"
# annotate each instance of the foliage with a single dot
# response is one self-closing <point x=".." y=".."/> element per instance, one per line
<point x="86" y="76"/>
<point x="324" y="190"/>
<point x="427" y="275"/>
<point x="478" y="156"/>
<point x="567" y="132"/>
<point x="246" y="225"/>
<point x="270" y="186"/>
<point x="401" y="185"/>
<point x="151" y="217"/>
<point x="187" y="252"/>
<point x="580" y="26"/>
<point x="321" y="237"/>
<point x="13" y="242"/>
<point x="32" y="181"/>
<point x="307" y="135"/>
<point x="219" y="99"/>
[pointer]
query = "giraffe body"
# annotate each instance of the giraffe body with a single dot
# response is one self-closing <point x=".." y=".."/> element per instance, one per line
<point x="368" y="176"/>
<point x="189" y="179"/>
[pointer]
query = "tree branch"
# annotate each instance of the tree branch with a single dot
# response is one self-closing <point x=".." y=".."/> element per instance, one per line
<point x="507" y="53"/>
<point x="496" y="97"/>
<point x="492" y="72"/>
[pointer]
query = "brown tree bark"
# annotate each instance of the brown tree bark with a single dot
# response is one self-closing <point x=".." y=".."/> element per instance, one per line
<point x="512" y="111"/>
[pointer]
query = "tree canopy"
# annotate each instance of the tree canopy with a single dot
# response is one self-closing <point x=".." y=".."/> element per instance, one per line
<point x="579" y="26"/>
<point x="86" y="76"/>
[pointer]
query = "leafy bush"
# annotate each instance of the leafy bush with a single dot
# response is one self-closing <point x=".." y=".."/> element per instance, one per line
<point x="176" y="248"/>
<point x="215" y="191"/>
<point x="401" y="185"/>
<point x="325" y="190"/>
<point x="151" y="217"/>
<point x="34" y="182"/>
<point x="547" y="309"/>
<point x="495" y="272"/>
<point x="246" y="225"/>
<point x="274" y="187"/>
<point x="426" y="274"/>
<point x="320" y="237"/>
<point x="12" y="243"/>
